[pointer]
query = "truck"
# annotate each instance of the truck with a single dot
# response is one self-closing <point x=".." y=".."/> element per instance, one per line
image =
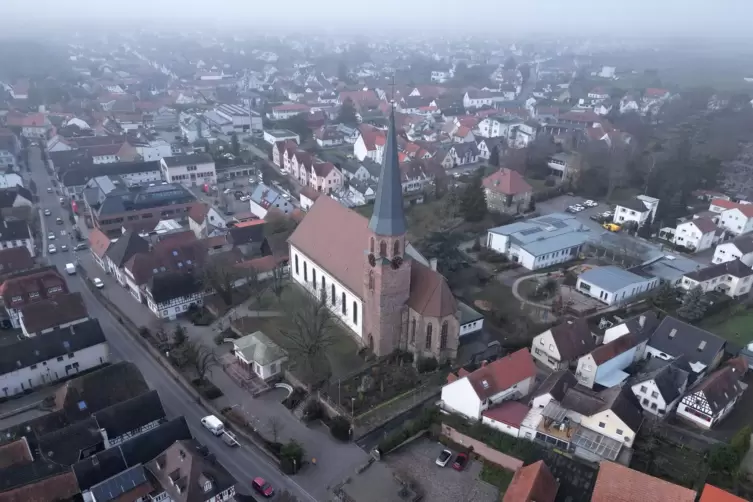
<point x="70" y="268"/>
<point x="214" y="424"/>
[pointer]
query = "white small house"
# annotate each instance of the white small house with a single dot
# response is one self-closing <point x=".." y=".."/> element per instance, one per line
<point x="697" y="235"/>
<point x="613" y="285"/>
<point x="562" y="345"/>
<point x="605" y="365"/>
<point x="736" y="217"/>
<point x="189" y="170"/>
<point x="733" y="278"/>
<point x="508" y="378"/>
<point x="506" y="417"/>
<point x="638" y="210"/>
<point x="471" y="321"/>
<point x="260" y="355"/>
<point x="739" y="249"/>
<point x="706" y="404"/>
<point x="660" y="386"/>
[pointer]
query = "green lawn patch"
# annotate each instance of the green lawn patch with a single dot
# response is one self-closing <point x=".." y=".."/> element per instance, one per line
<point x="496" y="476"/>
<point x="734" y="327"/>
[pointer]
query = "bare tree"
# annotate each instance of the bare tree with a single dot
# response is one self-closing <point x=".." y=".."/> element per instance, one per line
<point x="255" y="283"/>
<point x="200" y="358"/>
<point x="278" y="280"/>
<point x="310" y="329"/>
<point x="220" y="274"/>
<point x="275" y="426"/>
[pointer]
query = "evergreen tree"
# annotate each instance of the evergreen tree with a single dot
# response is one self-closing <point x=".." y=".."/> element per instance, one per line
<point x="473" y="201"/>
<point x="645" y="229"/>
<point x="494" y="157"/>
<point x="347" y="114"/>
<point x="235" y="145"/>
<point x="664" y="296"/>
<point x="693" y="306"/>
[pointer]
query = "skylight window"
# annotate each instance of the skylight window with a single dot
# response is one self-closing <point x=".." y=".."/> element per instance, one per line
<point x="485" y="383"/>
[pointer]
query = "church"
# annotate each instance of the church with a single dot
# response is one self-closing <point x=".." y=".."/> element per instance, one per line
<point x="373" y="280"/>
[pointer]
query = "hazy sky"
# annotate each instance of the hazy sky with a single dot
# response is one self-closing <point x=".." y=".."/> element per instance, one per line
<point x="584" y="17"/>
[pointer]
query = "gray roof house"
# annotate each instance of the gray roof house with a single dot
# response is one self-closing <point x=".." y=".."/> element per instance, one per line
<point x="260" y="355"/>
<point x="264" y="198"/>
<point x="613" y="285"/>
<point x="674" y="338"/>
<point x="540" y="242"/>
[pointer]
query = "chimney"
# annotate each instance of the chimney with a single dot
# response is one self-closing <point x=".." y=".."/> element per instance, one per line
<point x="105" y="438"/>
<point x="484" y="363"/>
<point x="642" y="321"/>
<point x="433" y="264"/>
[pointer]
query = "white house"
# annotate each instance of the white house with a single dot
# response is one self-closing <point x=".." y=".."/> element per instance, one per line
<point x="264" y="198"/>
<point x="739" y="249"/>
<point x="47" y="315"/>
<point x="736" y="217"/>
<point x="189" y="170"/>
<point x="733" y="278"/>
<point x="697" y="235"/>
<point x="169" y="294"/>
<point x="707" y="403"/>
<point x="16" y="233"/>
<point x="273" y="136"/>
<point x="638" y="210"/>
<point x="506" y="417"/>
<point x="604" y="366"/>
<point x="562" y="345"/>
<point x="471" y="321"/>
<point x="613" y="285"/>
<point x="260" y="355"/>
<point x="508" y="378"/>
<point x="370" y="143"/>
<point x="307" y="197"/>
<point x="660" y="386"/>
<point x="154" y="150"/>
<point x="540" y="242"/>
<point x="38" y="361"/>
<point x="282" y="112"/>
<point x="492" y="127"/>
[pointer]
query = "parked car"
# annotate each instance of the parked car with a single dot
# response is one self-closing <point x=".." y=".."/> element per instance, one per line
<point x="229" y="439"/>
<point x="59" y="221"/>
<point x="49" y="189"/>
<point x="52" y="249"/>
<point x="590" y="203"/>
<point x="98" y="283"/>
<point x="261" y="486"/>
<point x="460" y="461"/>
<point x="51" y="236"/>
<point x="63" y="247"/>
<point x="47" y="212"/>
<point x="444" y="458"/>
<point x="80" y="246"/>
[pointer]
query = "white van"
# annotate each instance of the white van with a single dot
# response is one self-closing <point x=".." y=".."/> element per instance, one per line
<point x="70" y="268"/>
<point x="214" y="424"/>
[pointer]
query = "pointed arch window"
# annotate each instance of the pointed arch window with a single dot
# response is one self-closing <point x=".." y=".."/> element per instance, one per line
<point x="396" y="248"/>
<point x="334" y="298"/>
<point x="355" y="312"/>
<point x="313" y="277"/>
<point x="382" y="248"/>
<point x="371" y="245"/>
<point x="371" y="280"/>
<point x="344" y="305"/>
<point x="324" y="288"/>
<point x="429" y="329"/>
<point x="296" y="265"/>
<point x="305" y="272"/>
<point x="443" y="336"/>
<point x="413" y="332"/>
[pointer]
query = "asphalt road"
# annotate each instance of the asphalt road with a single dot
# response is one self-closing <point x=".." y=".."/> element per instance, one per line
<point x="243" y="463"/>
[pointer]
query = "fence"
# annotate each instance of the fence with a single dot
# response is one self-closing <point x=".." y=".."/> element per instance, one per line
<point x="481" y="449"/>
<point x="133" y="330"/>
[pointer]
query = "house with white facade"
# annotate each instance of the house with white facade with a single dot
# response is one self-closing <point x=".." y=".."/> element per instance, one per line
<point x="471" y="394"/>
<point x="540" y="242"/>
<point x="561" y="346"/>
<point x="171" y="293"/>
<point x="697" y="234"/>
<point x="612" y="285"/>
<point x="263" y="199"/>
<point x="459" y="154"/>
<point x="660" y="385"/>
<point x="471" y="321"/>
<point x="736" y="217"/>
<point x="503" y="126"/>
<point x="640" y="209"/>
<point x="605" y="366"/>
<point x="713" y="398"/>
<point x="307" y="197"/>
<point x="738" y="249"/>
<point x="189" y="170"/>
<point x="674" y="338"/>
<point x="272" y="136"/>
<point x="370" y="143"/>
<point x="260" y="355"/>
<point x="733" y="278"/>
<point x="282" y="112"/>
<point x="15" y="234"/>
<point x="38" y="361"/>
<point x="28" y="287"/>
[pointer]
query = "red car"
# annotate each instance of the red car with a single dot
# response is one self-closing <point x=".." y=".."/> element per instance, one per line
<point x="263" y="487"/>
<point x="460" y="461"/>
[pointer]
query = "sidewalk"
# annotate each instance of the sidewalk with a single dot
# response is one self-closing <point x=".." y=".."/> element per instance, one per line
<point x="335" y="460"/>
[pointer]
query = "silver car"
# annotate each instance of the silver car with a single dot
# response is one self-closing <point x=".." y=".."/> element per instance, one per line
<point x="444" y="458"/>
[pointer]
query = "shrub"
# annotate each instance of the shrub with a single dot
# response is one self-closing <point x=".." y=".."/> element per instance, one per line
<point x="294" y="399"/>
<point x="292" y="450"/>
<point x="411" y="428"/>
<point x="340" y="428"/>
<point x="144" y="332"/>
<point x="426" y="364"/>
<point x="212" y="393"/>
<point x="312" y="410"/>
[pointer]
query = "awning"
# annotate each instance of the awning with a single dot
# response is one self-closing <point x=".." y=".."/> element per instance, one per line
<point x="612" y="378"/>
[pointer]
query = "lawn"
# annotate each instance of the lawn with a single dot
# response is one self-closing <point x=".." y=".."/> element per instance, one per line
<point x="422" y="219"/>
<point x="735" y="327"/>
<point x="496" y="476"/>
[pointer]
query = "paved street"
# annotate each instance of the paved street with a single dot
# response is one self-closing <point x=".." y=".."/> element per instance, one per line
<point x="243" y="463"/>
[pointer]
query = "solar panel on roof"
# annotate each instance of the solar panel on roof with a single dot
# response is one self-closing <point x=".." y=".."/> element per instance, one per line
<point x="530" y="231"/>
<point x="118" y="485"/>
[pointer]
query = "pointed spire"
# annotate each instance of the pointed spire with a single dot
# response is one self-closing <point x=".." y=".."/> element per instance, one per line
<point x="388" y="217"/>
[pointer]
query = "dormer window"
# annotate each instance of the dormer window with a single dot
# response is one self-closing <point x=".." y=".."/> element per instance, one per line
<point x="34" y="295"/>
<point x="16" y="299"/>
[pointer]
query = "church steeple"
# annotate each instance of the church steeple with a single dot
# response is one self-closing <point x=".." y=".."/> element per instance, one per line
<point x="388" y="218"/>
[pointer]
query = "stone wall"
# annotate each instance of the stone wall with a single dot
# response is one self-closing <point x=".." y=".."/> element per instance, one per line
<point x="482" y="450"/>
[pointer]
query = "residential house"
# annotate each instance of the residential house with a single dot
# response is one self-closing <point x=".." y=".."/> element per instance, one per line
<point x="710" y="400"/>
<point x="171" y="293"/>
<point x="697" y="234"/>
<point x="325" y="177"/>
<point x="187" y="476"/>
<point x="165" y="119"/>
<point x="561" y="346"/>
<point x="616" y="482"/>
<point x="16" y="234"/>
<point x="75" y="175"/>
<point x="130" y="418"/>
<point x="370" y="143"/>
<point x="361" y="193"/>
<point x="60" y="311"/>
<point x="282" y="112"/>
<point x="98" y="246"/>
<point x="479" y="99"/>
<point x="674" y="338"/>
<point x="459" y="154"/>
<point x="10" y="148"/>
<point x="115" y="152"/>
<point x="540" y="242"/>
<point x="532" y="483"/>
<point x="471" y="321"/>
<point x="273" y="136"/>
<point x="500" y="126"/>
<point x="32" y="125"/>
<point x="329" y="136"/>
<point x="260" y="355"/>
<point x="120" y="251"/>
<point x="612" y="285"/>
<point x="281" y="150"/>
<point x="263" y="199"/>
<point x="604" y="366"/>
<point x="15" y="259"/>
<point x="738" y="249"/>
<point x="736" y="217"/>
<point x="733" y="278"/>
<point x="15" y="196"/>
<point x="660" y="385"/>
<point x="206" y="221"/>
<point x="23" y="288"/>
<point x="487" y="145"/>
<point x="507" y="192"/>
<point x="40" y="360"/>
<point x="10" y="180"/>
<point x="508" y="378"/>
<point x="640" y="209"/>
<point x="506" y="417"/>
<point x="713" y="494"/>
<point x="307" y="197"/>
<point x="189" y="170"/>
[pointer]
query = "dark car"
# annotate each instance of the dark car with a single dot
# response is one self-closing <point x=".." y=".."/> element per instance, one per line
<point x="263" y="487"/>
<point x="59" y="221"/>
<point x="81" y="245"/>
<point x="460" y="461"/>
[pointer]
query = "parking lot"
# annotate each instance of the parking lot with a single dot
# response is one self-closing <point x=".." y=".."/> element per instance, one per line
<point x="561" y="203"/>
<point x="440" y="484"/>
